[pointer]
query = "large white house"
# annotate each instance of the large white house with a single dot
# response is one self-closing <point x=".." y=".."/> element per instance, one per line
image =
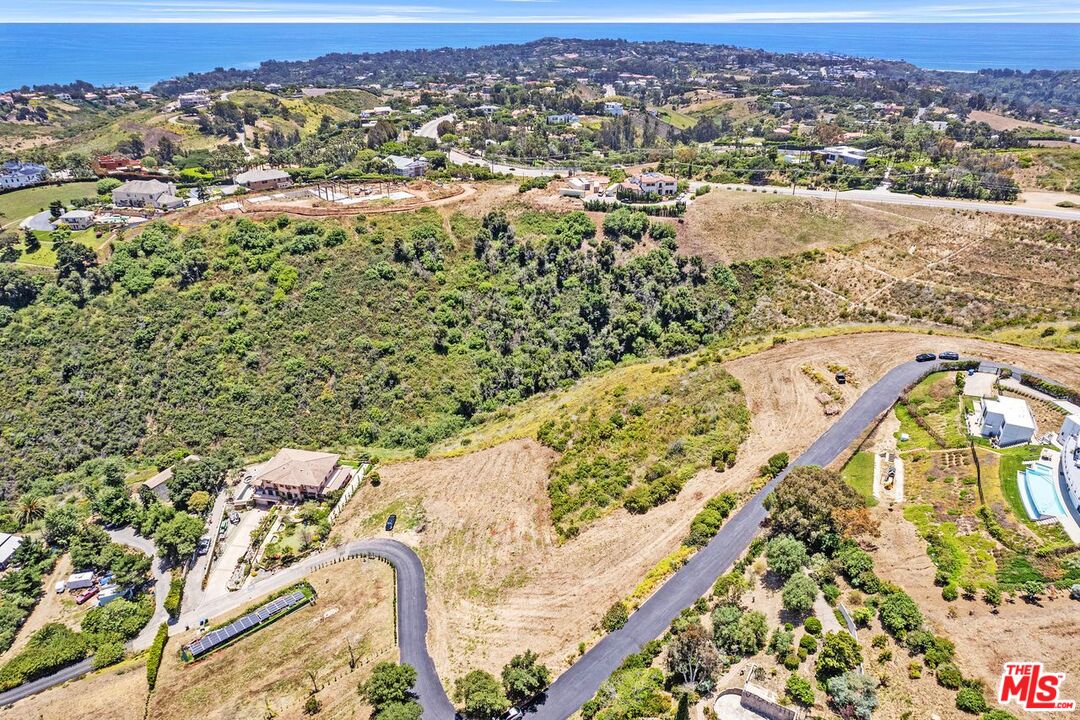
<point x="407" y="167"/>
<point x="1008" y="420"/>
<point x="1070" y="457"/>
<point x="15" y="174"/>
<point x="147" y="193"/>
<point x="842" y="154"/>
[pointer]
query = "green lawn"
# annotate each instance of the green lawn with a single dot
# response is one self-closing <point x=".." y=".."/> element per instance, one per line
<point x="675" y="118"/>
<point x="859" y="474"/>
<point x="21" y="204"/>
<point x="45" y="256"/>
<point x="936" y="402"/>
<point x="1012" y="461"/>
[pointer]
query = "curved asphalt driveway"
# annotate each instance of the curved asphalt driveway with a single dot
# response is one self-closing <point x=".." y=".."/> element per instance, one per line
<point x="693" y="580"/>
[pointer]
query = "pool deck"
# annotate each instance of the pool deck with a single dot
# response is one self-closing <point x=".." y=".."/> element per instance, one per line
<point x="1067" y="516"/>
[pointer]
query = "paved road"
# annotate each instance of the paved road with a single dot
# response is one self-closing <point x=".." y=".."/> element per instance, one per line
<point x="35" y="686"/>
<point x="891" y="198"/>
<point x="430" y="129"/>
<point x="693" y="580"/>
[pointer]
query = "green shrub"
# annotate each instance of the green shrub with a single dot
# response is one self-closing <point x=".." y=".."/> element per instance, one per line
<point x="108" y="653"/>
<point x="153" y="658"/>
<point x="809" y="644"/>
<point x="812" y="625"/>
<point x="970" y="700"/>
<point x="914" y="670"/>
<point x="176" y="594"/>
<point x="949" y="593"/>
<point x="616" y="616"/>
<point x="791" y="661"/>
<point x="949" y="676"/>
<point x="899" y="614"/>
<point x="800" y="690"/>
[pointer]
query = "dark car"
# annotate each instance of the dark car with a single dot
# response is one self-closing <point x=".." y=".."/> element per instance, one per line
<point x="841" y="378"/>
<point x="949" y="355"/>
<point x="390" y="522"/>
<point x="925" y="357"/>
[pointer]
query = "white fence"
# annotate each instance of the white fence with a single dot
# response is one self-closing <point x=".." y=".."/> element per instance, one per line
<point x="350" y="490"/>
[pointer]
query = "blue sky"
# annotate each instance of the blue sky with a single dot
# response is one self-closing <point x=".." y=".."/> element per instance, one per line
<point x="702" y="11"/>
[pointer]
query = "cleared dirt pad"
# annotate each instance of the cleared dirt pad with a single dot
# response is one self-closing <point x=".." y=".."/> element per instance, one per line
<point x="728" y="226"/>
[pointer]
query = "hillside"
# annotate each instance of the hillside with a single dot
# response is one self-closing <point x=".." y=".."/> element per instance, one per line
<point x="391" y="331"/>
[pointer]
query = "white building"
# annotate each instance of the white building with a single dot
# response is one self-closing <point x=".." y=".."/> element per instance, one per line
<point x="564" y="119"/>
<point x="843" y="154"/>
<point x="1070" y="457"/>
<point x="80" y="580"/>
<point x="649" y="183"/>
<point x="147" y="193"/>
<point x="15" y="174"/>
<point x="8" y="545"/>
<point x="407" y="167"/>
<point x="1008" y="420"/>
<point x="614" y="109"/>
<point x="77" y="219"/>
<point x="194" y="100"/>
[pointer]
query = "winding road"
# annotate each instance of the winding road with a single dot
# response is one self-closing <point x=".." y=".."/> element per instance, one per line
<point x="581" y="681"/>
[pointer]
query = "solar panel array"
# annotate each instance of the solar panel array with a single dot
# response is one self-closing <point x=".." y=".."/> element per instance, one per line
<point x="223" y="635"/>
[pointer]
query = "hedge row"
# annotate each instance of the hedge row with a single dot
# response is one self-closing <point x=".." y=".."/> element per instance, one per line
<point x="157" y="650"/>
<point x="176" y="595"/>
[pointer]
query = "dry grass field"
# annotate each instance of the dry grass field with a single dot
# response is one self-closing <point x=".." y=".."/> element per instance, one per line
<point x="269" y="669"/>
<point x="729" y="226"/>
<point x="499" y="579"/>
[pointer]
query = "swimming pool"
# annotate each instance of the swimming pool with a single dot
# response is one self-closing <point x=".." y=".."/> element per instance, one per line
<point x="1037" y="488"/>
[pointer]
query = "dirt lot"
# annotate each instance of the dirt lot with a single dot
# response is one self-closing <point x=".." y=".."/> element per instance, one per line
<point x="499" y="581"/>
<point x="1004" y="122"/>
<point x="1049" y="631"/>
<point x="355" y="604"/>
<point x="728" y="226"/>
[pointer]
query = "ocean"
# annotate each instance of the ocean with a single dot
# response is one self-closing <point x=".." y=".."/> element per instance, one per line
<point x="145" y="53"/>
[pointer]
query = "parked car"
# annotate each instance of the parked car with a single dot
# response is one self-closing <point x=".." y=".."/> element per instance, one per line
<point x="949" y="355"/>
<point x="841" y="378"/>
<point x="204" y="545"/>
<point x="60" y="587"/>
<point x="87" y="595"/>
<point x="925" y="357"/>
<point x="512" y="714"/>
<point x="234" y="517"/>
<point x="390" y="522"/>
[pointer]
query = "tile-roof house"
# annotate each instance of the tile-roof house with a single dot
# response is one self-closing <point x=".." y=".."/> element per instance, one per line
<point x="263" y="179"/>
<point x="298" y="475"/>
<point x="147" y="193"/>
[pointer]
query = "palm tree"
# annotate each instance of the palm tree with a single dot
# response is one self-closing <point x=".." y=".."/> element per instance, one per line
<point x="30" y="508"/>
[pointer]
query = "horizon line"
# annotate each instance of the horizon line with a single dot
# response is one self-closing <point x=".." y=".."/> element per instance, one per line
<point x="530" y="21"/>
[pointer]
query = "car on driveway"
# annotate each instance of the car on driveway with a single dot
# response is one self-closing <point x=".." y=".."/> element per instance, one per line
<point x="390" y="522"/>
<point x="204" y="545"/>
<point x="949" y="355"/>
<point x="925" y="357"/>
